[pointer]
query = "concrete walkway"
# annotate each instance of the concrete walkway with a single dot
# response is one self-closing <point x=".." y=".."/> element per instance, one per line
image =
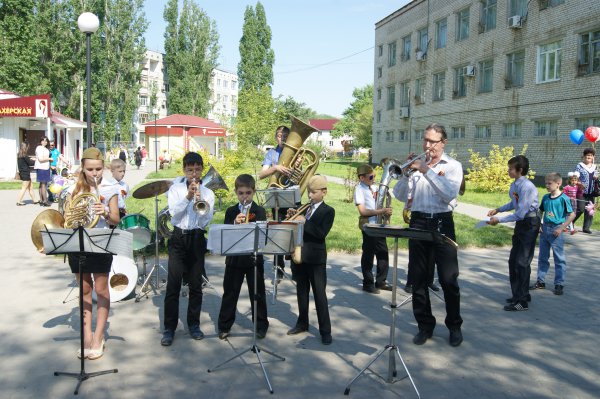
<point x="550" y="351"/>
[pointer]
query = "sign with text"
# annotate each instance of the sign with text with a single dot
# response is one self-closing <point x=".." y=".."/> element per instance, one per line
<point x="32" y="106"/>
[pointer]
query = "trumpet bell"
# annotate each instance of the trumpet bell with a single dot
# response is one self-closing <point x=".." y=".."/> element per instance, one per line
<point x="50" y="218"/>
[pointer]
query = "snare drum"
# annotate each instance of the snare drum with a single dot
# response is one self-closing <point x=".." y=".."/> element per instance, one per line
<point x="138" y="225"/>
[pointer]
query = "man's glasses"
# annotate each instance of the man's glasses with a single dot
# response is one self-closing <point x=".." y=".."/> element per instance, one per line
<point x="432" y="142"/>
<point x="244" y="192"/>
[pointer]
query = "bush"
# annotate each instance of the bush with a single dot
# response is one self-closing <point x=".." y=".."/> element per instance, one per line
<point x="489" y="174"/>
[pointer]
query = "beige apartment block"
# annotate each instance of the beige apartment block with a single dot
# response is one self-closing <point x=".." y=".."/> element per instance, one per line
<point x="505" y="72"/>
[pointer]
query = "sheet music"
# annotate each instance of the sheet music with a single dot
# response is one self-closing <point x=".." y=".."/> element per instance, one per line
<point x="239" y="239"/>
<point x="64" y="241"/>
<point x="286" y="198"/>
<point x="482" y="223"/>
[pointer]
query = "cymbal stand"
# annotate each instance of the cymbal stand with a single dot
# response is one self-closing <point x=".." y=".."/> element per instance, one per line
<point x="392" y="348"/>
<point x="157" y="266"/>
<point x="73" y="286"/>
<point x="254" y="348"/>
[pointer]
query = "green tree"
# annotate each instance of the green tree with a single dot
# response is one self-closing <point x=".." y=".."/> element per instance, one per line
<point x="19" y="47"/>
<point x="357" y="119"/>
<point x="289" y="106"/>
<point x="192" y="50"/>
<point x="259" y="122"/>
<point x="255" y="69"/>
<point x="488" y="174"/>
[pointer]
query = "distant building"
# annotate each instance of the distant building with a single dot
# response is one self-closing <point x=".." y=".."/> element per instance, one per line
<point x="153" y="91"/>
<point x="493" y="72"/>
<point x="224" y="97"/>
<point x="324" y="137"/>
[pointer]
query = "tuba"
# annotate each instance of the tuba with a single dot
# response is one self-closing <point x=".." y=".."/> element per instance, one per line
<point x="302" y="161"/>
<point x="392" y="169"/>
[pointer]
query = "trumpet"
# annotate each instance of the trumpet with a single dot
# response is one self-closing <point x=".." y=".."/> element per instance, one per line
<point x="200" y="206"/>
<point x="299" y="212"/>
<point x="246" y="210"/>
<point x="406" y="171"/>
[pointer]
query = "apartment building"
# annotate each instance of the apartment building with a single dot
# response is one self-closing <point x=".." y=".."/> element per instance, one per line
<point x="224" y="88"/>
<point x="505" y="72"/>
<point x="153" y="93"/>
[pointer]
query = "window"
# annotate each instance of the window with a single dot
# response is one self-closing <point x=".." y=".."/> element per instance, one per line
<point x="378" y="137"/>
<point x="379" y="72"/>
<point x="511" y="130"/>
<point x="225" y="98"/>
<point x="460" y="82"/>
<point x="420" y="91"/>
<point x="389" y="136"/>
<point x="391" y="54"/>
<point x="548" y="68"/>
<point x="545" y="129"/>
<point x="378" y="117"/>
<point x="462" y="25"/>
<point x="418" y="135"/>
<point x="423" y="40"/>
<point x="486" y="76"/>
<point x="218" y="98"/>
<point x="458" y="132"/>
<point x="142" y="117"/>
<point x="219" y="82"/>
<point x="380" y="50"/>
<point x="483" y="132"/>
<point x="143" y="101"/>
<point x="439" y="81"/>
<point x="550" y="3"/>
<point x="584" y="123"/>
<point x="488" y="15"/>
<point x="589" y="52"/>
<point x="379" y="94"/>
<point x="331" y="143"/>
<point x="515" y="69"/>
<point x="406" y="47"/>
<point x="517" y="7"/>
<point x="441" y="31"/>
<point x="402" y="135"/>
<point x="225" y="84"/>
<point x="404" y="99"/>
<point x="391" y="97"/>
<point x="233" y="84"/>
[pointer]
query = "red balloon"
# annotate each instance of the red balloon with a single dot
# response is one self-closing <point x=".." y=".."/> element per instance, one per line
<point x="592" y="133"/>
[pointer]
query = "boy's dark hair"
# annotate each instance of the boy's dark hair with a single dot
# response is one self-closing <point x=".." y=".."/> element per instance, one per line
<point x="283" y="129"/>
<point x="555" y="177"/>
<point x="245" y="180"/>
<point x="520" y="163"/>
<point x="438" y="128"/>
<point x="192" y="158"/>
<point x="589" y="151"/>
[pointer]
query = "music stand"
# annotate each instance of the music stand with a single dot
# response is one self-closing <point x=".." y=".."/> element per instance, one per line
<point x="255" y="238"/>
<point x="81" y="241"/>
<point x="396" y="232"/>
<point x="280" y="198"/>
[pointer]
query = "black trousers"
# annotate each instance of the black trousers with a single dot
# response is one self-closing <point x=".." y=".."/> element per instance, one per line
<point x="315" y="276"/>
<point x="186" y="255"/>
<point x="521" y="255"/>
<point x="232" y="285"/>
<point x="374" y="247"/>
<point x="423" y="256"/>
<point x="587" y="218"/>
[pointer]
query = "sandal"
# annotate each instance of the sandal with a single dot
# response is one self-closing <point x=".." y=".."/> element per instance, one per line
<point x="96" y="353"/>
<point x="20" y="203"/>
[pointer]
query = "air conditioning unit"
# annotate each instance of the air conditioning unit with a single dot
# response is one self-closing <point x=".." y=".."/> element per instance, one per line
<point x="470" y="70"/>
<point x="404" y="112"/>
<point x="515" y="22"/>
<point x="421" y="56"/>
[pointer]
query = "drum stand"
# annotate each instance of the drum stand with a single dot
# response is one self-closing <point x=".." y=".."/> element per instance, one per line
<point x="392" y="348"/>
<point x="157" y="266"/>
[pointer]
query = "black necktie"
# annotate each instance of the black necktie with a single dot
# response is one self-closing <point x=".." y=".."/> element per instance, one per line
<point x="309" y="212"/>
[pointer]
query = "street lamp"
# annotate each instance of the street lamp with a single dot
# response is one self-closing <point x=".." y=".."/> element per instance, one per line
<point x="88" y="23"/>
<point x="155" y="113"/>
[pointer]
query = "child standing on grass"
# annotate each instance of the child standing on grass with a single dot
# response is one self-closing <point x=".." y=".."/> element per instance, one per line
<point x="574" y="190"/>
<point x="558" y="214"/>
<point x="524" y="200"/>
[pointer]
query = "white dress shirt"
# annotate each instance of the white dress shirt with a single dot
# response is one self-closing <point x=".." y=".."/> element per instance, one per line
<point x="182" y="210"/>
<point x="434" y="191"/>
<point x="364" y="194"/>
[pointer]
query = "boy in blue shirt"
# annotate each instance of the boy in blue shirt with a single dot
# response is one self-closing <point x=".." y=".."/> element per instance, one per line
<point x="558" y="214"/>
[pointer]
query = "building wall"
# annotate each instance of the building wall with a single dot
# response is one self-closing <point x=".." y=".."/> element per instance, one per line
<point x="224" y="98"/>
<point x="325" y="138"/>
<point x="153" y="80"/>
<point x="573" y="96"/>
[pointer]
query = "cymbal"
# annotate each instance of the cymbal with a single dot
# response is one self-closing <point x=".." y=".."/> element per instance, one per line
<point x="50" y="218"/>
<point x="152" y="189"/>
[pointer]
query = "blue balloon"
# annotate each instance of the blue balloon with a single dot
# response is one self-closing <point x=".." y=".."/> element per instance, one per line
<point x="576" y="136"/>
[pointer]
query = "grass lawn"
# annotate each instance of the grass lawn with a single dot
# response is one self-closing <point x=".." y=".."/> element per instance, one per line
<point x="13" y="185"/>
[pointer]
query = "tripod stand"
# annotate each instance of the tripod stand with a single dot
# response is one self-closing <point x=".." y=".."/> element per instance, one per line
<point x="263" y="240"/>
<point x="78" y="241"/>
<point x="391" y="347"/>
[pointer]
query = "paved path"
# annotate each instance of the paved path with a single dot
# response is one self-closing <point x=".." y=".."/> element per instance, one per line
<point x="550" y="351"/>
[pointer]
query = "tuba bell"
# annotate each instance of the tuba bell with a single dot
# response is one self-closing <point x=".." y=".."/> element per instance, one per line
<point x="392" y="169"/>
<point x="302" y="161"/>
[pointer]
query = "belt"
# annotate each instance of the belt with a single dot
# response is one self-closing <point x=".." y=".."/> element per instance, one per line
<point x="532" y="214"/>
<point x="428" y="215"/>
<point x="185" y="231"/>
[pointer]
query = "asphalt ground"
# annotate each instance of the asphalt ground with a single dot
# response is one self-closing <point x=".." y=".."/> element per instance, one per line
<point x="549" y="351"/>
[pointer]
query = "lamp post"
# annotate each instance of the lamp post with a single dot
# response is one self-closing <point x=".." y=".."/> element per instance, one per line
<point x="88" y="23"/>
<point x="155" y="113"/>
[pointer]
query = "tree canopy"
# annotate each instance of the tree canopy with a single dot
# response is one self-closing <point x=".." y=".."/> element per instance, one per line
<point x="357" y="119"/>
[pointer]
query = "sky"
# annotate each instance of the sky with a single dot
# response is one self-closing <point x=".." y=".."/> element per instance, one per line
<point x="323" y="48"/>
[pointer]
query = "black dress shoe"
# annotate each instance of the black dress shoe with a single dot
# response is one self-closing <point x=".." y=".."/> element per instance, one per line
<point x="408" y="288"/>
<point x="196" y="333"/>
<point x="297" y="330"/>
<point x="433" y="287"/>
<point x="422" y="337"/>
<point x="260" y="334"/>
<point x="456" y="337"/>
<point x="371" y="288"/>
<point x="223" y="334"/>
<point x="326" y="339"/>
<point x="167" y="338"/>
<point x="385" y="287"/>
<point x="516" y="307"/>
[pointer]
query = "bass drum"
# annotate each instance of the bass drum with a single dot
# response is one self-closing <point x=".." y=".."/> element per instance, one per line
<point x="121" y="279"/>
<point x="139" y="226"/>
